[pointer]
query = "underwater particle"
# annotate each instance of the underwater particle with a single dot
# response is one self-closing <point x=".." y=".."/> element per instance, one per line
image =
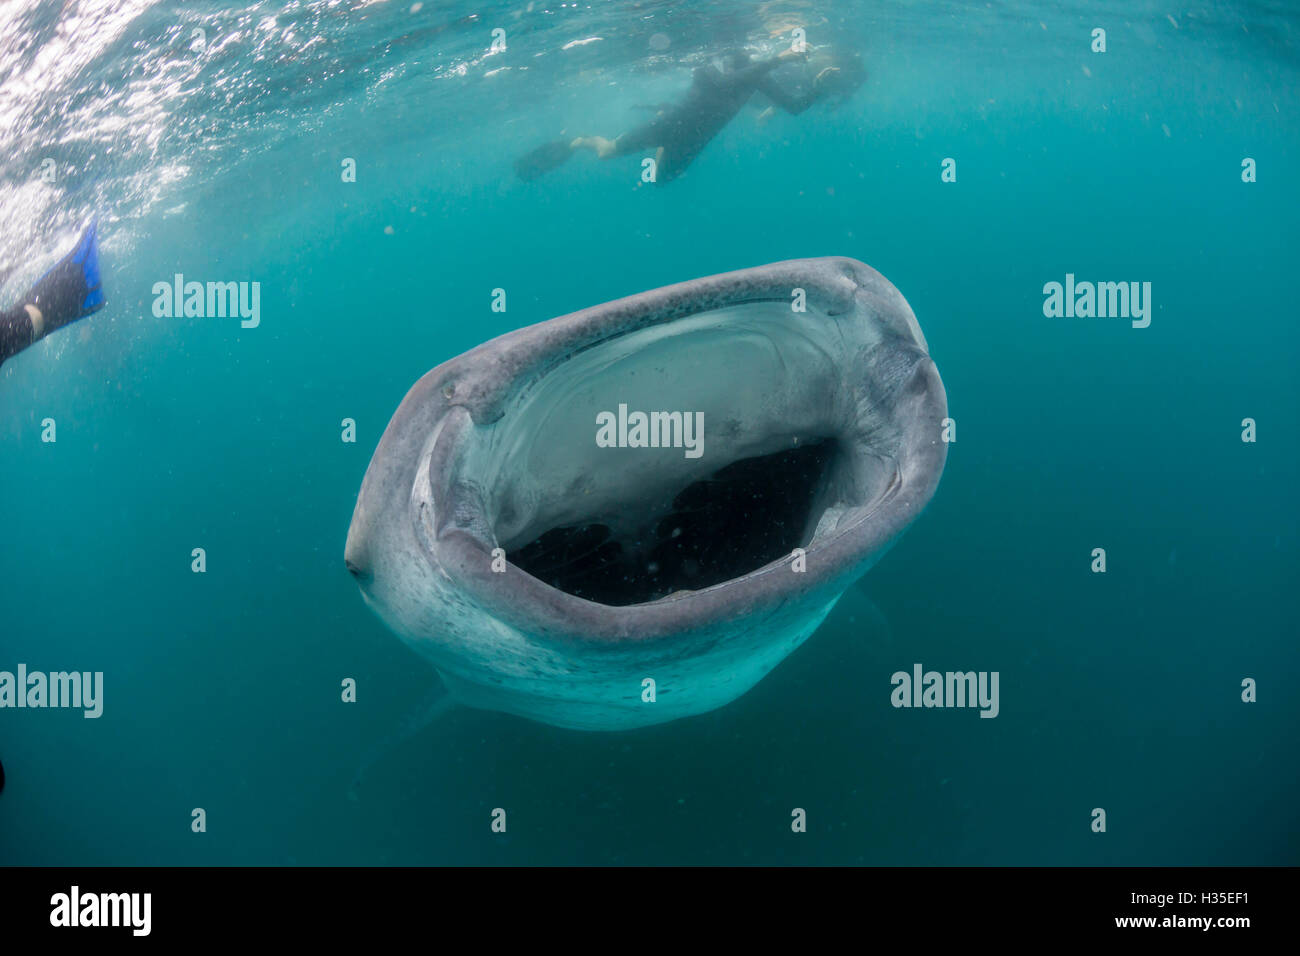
<point x="388" y="230"/>
<point x="659" y="41"/>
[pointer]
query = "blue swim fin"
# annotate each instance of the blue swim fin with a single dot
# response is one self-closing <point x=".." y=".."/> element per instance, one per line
<point x="71" y="289"/>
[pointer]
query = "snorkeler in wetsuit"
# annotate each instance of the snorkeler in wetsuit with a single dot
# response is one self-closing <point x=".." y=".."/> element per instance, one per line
<point x="69" y="291"/>
<point x="679" y="132"/>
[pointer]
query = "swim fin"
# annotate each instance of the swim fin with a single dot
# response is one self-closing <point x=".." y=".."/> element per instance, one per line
<point x="71" y="289"/>
<point x="542" y="159"/>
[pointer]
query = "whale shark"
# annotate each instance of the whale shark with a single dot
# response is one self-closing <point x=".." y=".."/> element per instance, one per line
<point x="615" y="584"/>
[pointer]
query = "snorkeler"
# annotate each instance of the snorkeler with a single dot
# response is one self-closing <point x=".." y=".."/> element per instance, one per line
<point x="679" y="132"/>
<point x="69" y="291"/>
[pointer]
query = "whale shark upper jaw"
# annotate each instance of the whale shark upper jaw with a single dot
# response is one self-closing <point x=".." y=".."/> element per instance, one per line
<point x="499" y="535"/>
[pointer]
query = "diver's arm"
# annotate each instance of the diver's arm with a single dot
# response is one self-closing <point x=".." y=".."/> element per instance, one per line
<point x="791" y="103"/>
<point x="756" y="73"/>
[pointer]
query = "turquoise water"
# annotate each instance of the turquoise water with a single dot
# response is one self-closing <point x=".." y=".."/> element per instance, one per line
<point x="1119" y="690"/>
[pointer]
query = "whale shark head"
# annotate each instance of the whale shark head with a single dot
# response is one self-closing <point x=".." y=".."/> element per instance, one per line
<point x="632" y="513"/>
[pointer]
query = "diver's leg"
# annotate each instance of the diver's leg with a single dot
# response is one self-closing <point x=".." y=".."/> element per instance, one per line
<point x="646" y="136"/>
<point x="553" y="154"/>
<point x="68" y="292"/>
<point x="660" y="153"/>
<point x="17" y="331"/>
<point x="602" y="147"/>
<point x="543" y="159"/>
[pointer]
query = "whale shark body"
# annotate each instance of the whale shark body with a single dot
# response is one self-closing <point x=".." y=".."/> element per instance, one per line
<point x="606" y="585"/>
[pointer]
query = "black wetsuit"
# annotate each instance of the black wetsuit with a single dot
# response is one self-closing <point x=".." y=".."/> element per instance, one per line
<point x="15" y="332"/>
<point x="711" y="103"/>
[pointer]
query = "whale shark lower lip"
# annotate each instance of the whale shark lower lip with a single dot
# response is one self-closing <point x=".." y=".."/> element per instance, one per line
<point x="609" y="586"/>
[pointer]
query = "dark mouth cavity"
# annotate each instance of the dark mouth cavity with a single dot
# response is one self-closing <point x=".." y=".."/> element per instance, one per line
<point x="743" y="516"/>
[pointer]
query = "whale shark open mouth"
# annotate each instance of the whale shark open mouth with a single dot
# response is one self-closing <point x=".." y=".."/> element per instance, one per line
<point x="741" y="517"/>
<point x="781" y="450"/>
<point x="689" y="476"/>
